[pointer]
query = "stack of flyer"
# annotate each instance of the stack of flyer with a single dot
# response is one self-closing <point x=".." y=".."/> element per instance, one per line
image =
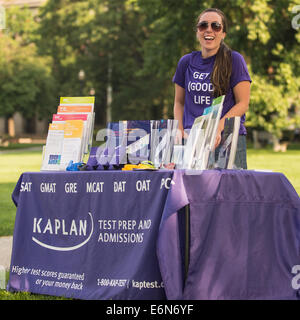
<point x="70" y="133"/>
<point x="200" y="153"/>
<point x="201" y="139"/>
<point x="163" y="133"/>
<point x="134" y="141"/>
<point x="228" y="145"/>
<point x="127" y="142"/>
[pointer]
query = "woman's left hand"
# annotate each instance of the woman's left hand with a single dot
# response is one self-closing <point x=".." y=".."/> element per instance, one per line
<point x="219" y="132"/>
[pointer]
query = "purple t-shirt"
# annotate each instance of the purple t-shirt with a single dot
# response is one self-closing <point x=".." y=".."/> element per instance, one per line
<point x="193" y="74"/>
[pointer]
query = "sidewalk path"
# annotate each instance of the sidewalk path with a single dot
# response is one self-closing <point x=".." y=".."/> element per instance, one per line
<point x="5" y="251"/>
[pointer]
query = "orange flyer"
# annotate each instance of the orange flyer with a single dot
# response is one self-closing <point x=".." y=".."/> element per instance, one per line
<point x="73" y="129"/>
<point x="74" y="109"/>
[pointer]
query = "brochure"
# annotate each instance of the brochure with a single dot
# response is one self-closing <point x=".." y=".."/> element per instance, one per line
<point x="70" y="133"/>
<point x="163" y="134"/>
<point x="127" y="142"/>
<point x="80" y="105"/>
<point x="61" y="118"/>
<point x="225" y="156"/>
<point x="53" y="148"/>
<point x="138" y="140"/>
<point x="72" y="142"/>
<point x="201" y="140"/>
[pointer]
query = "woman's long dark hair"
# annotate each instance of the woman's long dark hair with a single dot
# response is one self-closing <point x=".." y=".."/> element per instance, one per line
<point x="220" y="77"/>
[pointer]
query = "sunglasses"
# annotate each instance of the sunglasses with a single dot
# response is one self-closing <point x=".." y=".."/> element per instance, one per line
<point x="216" y="26"/>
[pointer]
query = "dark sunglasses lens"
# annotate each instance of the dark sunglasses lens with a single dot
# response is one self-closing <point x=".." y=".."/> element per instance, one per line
<point x="202" y="26"/>
<point x="216" y="26"/>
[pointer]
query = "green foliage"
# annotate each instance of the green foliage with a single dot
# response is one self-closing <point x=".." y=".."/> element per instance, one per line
<point x="134" y="46"/>
<point x="21" y="24"/>
<point x="26" y="84"/>
<point x="269" y="106"/>
<point x="260" y="29"/>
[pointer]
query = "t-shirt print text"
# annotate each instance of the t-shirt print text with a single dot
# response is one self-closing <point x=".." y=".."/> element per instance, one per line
<point x="201" y="84"/>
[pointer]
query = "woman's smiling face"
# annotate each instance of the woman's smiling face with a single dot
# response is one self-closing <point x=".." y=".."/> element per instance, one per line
<point x="209" y="37"/>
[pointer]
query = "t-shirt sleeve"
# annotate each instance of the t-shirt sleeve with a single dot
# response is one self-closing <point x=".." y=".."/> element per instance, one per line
<point x="239" y="70"/>
<point x="179" y="76"/>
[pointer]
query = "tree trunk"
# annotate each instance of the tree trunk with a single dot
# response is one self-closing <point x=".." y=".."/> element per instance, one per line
<point x="109" y="90"/>
<point x="11" y="127"/>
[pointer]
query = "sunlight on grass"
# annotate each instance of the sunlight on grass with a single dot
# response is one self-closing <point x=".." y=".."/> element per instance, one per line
<point x="14" y="164"/>
<point x="287" y="163"/>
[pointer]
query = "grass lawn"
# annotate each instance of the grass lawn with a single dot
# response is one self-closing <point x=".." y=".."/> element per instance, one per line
<point x="20" y="146"/>
<point x="13" y="164"/>
<point x="287" y="163"/>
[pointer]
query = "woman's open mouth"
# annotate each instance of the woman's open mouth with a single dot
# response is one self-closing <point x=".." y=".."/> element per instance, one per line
<point x="209" y="38"/>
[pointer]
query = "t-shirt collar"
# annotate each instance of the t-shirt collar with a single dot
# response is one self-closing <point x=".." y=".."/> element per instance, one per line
<point x="197" y="59"/>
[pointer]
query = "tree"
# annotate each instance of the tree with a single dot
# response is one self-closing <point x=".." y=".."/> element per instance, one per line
<point x="75" y="35"/>
<point x="105" y="38"/>
<point x="26" y="85"/>
<point x="25" y="81"/>
<point x="133" y="47"/>
<point x="260" y="29"/>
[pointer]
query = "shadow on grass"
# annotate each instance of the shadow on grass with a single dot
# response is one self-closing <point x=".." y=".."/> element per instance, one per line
<point x="6" y="295"/>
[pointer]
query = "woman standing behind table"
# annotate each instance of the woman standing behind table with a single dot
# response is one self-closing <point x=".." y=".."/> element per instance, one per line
<point x="214" y="71"/>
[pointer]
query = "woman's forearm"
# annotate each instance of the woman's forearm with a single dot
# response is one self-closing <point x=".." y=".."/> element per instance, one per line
<point x="178" y="114"/>
<point x="179" y="106"/>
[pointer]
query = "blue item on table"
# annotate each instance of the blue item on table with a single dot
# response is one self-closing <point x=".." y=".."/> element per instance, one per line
<point x="77" y="166"/>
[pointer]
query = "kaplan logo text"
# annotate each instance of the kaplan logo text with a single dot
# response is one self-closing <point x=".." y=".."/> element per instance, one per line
<point x="61" y="227"/>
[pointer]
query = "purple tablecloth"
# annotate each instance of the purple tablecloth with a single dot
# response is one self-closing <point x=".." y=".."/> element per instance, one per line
<point x="89" y="235"/>
<point x="244" y="236"/>
<point x="95" y="235"/>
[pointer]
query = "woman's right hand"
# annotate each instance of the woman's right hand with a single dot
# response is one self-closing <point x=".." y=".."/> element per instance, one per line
<point x="219" y="132"/>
